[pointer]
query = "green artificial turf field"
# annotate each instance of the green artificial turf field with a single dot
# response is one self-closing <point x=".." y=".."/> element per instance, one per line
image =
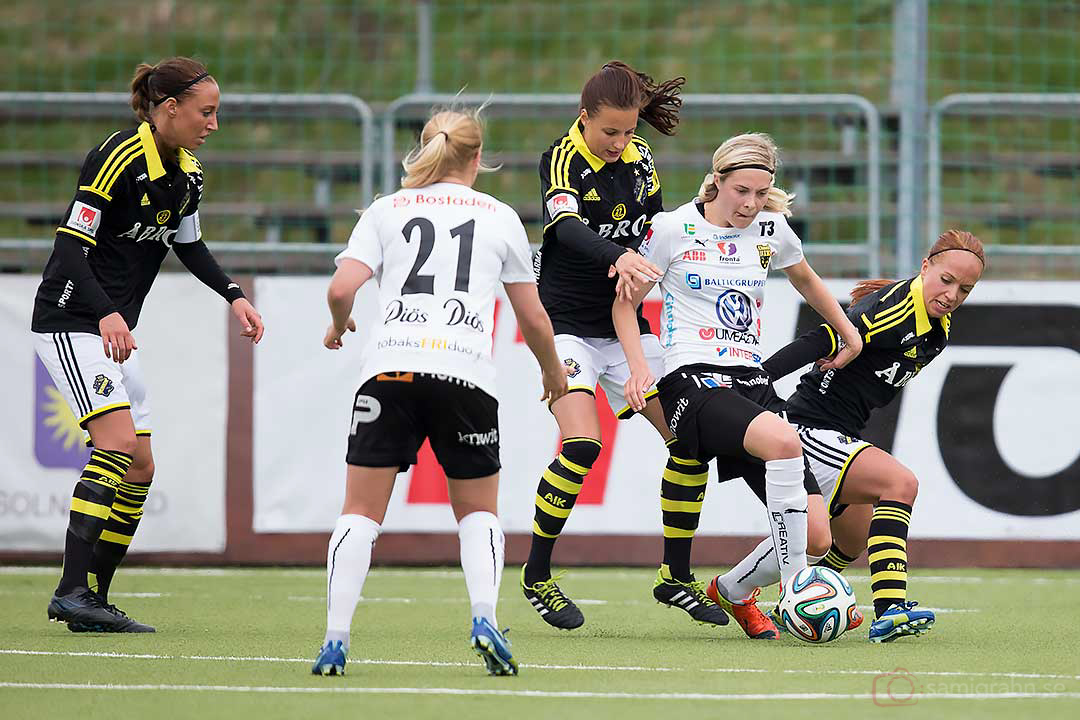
<point x="239" y="643"/>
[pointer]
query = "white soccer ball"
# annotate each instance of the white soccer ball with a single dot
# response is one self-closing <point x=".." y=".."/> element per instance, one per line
<point x="818" y="605"/>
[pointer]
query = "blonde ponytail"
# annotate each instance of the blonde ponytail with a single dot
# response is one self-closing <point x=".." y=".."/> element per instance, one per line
<point x="448" y="143"/>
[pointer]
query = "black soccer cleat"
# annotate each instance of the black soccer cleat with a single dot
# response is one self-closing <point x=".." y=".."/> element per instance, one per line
<point x="689" y="596"/>
<point x="548" y="600"/>
<point x="85" y="611"/>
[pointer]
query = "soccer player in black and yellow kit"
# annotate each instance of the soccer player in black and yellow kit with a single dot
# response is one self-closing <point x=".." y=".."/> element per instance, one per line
<point x="904" y="325"/>
<point x="138" y="195"/>
<point x="600" y="191"/>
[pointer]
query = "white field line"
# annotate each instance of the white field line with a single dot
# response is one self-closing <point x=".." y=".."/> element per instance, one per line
<point x="859" y="577"/>
<point x="350" y="690"/>
<point x="610" y="668"/>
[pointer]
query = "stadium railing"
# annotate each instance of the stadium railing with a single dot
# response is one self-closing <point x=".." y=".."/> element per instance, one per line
<point x="1049" y="163"/>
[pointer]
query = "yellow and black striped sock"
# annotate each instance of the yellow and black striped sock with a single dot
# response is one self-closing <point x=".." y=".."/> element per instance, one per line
<point x="682" y="491"/>
<point x="555" y="498"/>
<point x="887" y="553"/>
<point x="112" y="545"/>
<point x="835" y="559"/>
<point x="91" y="503"/>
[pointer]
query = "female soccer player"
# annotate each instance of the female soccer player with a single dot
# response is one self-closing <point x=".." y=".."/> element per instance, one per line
<point x="138" y="195"/>
<point x="438" y="249"/>
<point x="600" y="192"/>
<point x="904" y="325"/>
<point x="714" y="254"/>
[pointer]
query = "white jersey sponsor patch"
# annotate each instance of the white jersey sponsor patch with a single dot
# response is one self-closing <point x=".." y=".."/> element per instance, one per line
<point x="562" y="202"/>
<point x="84" y="218"/>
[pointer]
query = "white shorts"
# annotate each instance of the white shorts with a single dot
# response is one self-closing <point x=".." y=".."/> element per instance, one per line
<point x="602" y="360"/>
<point x="93" y="384"/>
<point x="830" y="454"/>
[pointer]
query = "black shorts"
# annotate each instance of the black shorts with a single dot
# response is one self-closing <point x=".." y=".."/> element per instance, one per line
<point x="394" y="412"/>
<point x="709" y="407"/>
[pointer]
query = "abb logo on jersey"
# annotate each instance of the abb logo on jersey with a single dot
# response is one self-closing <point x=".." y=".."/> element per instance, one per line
<point x="84" y="218"/>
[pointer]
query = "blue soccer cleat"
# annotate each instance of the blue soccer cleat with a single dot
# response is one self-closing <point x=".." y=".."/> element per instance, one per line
<point x="331" y="659"/>
<point x="899" y="620"/>
<point x="493" y="648"/>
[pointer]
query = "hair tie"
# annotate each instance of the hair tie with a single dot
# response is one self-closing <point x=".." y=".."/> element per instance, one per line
<point x="443" y="132"/>
<point x="958" y="248"/>
<point x="744" y="166"/>
<point x="179" y="91"/>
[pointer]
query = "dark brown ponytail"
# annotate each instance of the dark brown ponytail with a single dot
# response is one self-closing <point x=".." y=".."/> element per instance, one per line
<point x="172" y="78"/>
<point x="619" y="86"/>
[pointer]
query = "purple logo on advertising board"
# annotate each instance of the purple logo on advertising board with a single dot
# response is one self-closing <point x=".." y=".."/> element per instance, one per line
<point x="59" y="442"/>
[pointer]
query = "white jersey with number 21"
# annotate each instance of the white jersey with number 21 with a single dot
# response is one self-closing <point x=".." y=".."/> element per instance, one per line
<point x="438" y="253"/>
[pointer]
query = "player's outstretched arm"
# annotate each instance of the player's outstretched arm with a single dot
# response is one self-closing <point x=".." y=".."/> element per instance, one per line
<point x="811" y="287"/>
<point x="624" y="317"/>
<point x="200" y="263"/>
<point x="349" y="277"/>
<point x="536" y="329"/>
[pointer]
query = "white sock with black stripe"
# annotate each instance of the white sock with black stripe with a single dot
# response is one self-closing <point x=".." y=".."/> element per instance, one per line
<point x="758" y="569"/>
<point x="482" y="556"/>
<point x="348" y="559"/>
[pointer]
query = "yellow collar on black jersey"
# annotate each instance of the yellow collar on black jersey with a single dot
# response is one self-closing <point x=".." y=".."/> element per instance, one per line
<point x="922" y="320"/>
<point x="630" y="153"/>
<point x="912" y="304"/>
<point x="154" y="166"/>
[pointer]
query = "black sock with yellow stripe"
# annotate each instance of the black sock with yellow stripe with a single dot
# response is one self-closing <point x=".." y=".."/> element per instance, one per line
<point x="555" y="497"/>
<point x="682" y="491"/>
<point x="119" y="529"/>
<point x="91" y="503"/>
<point x="887" y="553"/>
<point x="835" y="559"/>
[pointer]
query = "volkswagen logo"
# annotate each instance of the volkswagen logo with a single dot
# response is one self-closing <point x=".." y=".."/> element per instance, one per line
<point x="735" y="310"/>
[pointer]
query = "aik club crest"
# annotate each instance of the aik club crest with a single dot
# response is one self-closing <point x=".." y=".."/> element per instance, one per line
<point x="765" y="254"/>
<point x="103" y="386"/>
<point x="575" y="368"/>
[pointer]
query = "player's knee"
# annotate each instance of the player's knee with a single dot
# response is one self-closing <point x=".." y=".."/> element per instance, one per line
<point x="122" y="443"/>
<point x="818" y="540"/>
<point x="786" y="443"/>
<point x="904" y="487"/>
<point x="141" y="472"/>
<point x="582" y="451"/>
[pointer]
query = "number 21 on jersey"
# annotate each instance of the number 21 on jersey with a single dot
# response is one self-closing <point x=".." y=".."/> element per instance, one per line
<point x="420" y="227"/>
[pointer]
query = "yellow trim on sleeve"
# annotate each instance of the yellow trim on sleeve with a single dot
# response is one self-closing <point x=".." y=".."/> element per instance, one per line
<point x="76" y="233"/>
<point x="91" y="188"/>
<point x="561" y="216"/>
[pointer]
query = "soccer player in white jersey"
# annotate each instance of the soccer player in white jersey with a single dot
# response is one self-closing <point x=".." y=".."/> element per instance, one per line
<point x="438" y="249"/>
<point x="714" y="254"/>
